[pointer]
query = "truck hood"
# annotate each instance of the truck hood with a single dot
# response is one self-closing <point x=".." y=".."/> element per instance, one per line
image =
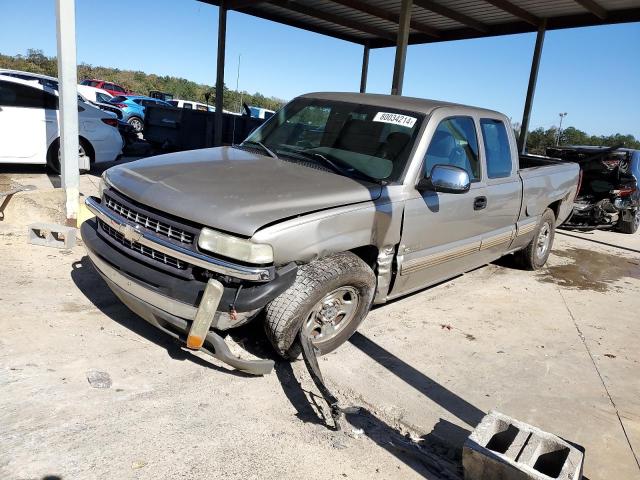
<point x="234" y="190"/>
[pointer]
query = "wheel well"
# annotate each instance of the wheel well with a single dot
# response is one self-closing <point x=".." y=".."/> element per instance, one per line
<point x="368" y="253"/>
<point x="555" y="206"/>
<point x="86" y="143"/>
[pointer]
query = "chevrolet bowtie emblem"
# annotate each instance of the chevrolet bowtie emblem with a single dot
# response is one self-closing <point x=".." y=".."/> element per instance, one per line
<point x="131" y="233"/>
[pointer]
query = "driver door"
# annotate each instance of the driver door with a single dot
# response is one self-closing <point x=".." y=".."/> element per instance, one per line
<point x="442" y="232"/>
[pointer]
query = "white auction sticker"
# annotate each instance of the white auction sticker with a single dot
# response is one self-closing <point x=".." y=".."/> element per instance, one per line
<point x="395" y="118"/>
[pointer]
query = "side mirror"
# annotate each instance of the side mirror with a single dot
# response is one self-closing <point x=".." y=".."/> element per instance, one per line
<point x="446" y="179"/>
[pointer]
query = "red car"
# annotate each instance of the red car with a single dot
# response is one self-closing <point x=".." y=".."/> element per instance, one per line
<point x="113" y="88"/>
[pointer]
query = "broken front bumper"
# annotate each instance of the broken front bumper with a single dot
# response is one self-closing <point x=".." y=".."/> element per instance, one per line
<point x="171" y="303"/>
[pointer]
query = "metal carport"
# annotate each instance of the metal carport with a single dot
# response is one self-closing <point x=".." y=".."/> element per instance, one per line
<point x="371" y="23"/>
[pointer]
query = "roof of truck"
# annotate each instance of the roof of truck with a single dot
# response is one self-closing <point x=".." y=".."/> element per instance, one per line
<point x="414" y="104"/>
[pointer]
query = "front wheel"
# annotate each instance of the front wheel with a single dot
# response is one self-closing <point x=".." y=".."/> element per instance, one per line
<point x="536" y="253"/>
<point x="328" y="300"/>
<point x="136" y="123"/>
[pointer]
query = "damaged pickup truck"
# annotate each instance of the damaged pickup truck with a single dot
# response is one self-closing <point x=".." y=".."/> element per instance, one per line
<point x="338" y="202"/>
<point x="609" y="192"/>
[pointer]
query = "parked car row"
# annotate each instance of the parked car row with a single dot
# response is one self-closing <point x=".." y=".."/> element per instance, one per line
<point x="29" y="122"/>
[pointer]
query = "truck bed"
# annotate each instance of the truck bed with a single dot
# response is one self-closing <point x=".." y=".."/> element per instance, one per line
<point x="545" y="181"/>
<point x="534" y="161"/>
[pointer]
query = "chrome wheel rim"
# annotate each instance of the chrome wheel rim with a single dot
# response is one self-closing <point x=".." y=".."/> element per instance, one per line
<point x="544" y="239"/>
<point x="331" y="314"/>
<point x="136" y="124"/>
<point x="81" y="153"/>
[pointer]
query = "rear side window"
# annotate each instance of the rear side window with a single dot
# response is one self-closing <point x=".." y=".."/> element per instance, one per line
<point x="497" y="149"/>
<point x="16" y="95"/>
<point x="187" y="105"/>
<point x="117" y="88"/>
<point x="101" y="97"/>
<point x="454" y="143"/>
<point x="118" y="99"/>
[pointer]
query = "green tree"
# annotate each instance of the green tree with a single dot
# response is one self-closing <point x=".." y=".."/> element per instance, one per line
<point x="140" y="82"/>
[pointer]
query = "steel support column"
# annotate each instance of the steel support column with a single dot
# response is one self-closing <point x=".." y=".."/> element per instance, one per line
<point x="365" y="69"/>
<point x="68" y="105"/>
<point x="401" y="47"/>
<point x="531" y="89"/>
<point x="222" y="34"/>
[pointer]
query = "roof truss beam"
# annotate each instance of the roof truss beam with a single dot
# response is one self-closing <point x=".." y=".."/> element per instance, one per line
<point x="335" y="19"/>
<point x="240" y="4"/>
<point x="452" y="14"/>
<point x="593" y="7"/>
<point x="375" y="11"/>
<point x="516" y="11"/>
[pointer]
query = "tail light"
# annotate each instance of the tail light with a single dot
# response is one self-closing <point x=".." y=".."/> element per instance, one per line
<point x="624" y="191"/>
<point x="111" y="122"/>
<point x="121" y="105"/>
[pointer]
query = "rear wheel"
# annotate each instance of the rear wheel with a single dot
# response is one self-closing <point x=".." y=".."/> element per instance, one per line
<point x="136" y="123"/>
<point x="630" y="226"/>
<point x="536" y="253"/>
<point x="328" y="300"/>
<point x="54" y="155"/>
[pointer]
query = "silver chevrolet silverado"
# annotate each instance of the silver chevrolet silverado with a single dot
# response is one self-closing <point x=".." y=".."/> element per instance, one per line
<point x="338" y="202"/>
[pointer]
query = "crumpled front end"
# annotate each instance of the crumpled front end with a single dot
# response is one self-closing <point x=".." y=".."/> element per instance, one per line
<point x="153" y="264"/>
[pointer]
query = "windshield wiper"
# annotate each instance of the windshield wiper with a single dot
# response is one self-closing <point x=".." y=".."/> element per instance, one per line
<point x="340" y="167"/>
<point x="344" y="168"/>
<point x="264" y="147"/>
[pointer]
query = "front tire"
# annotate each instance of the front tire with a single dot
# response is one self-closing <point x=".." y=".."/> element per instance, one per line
<point x="535" y="254"/>
<point x="136" y="123"/>
<point x="328" y="300"/>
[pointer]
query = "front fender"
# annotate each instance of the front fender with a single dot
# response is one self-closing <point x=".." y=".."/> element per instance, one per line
<point x="303" y="239"/>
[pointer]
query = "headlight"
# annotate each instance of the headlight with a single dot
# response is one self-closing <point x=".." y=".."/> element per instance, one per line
<point x="234" y="247"/>
<point x="104" y="184"/>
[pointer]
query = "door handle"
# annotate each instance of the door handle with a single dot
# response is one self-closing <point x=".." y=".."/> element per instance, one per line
<point x="479" y="203"/>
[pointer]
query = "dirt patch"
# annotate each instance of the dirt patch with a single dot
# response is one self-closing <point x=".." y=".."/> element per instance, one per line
<point x="590" y="270"/>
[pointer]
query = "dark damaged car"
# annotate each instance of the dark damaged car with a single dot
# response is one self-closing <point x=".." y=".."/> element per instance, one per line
<point x="609" y="193"/>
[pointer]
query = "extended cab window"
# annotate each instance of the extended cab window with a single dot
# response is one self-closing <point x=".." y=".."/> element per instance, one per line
<point x="16" y="95"/>
<point x="496" y="147"/>
<point x="454" y="143"/>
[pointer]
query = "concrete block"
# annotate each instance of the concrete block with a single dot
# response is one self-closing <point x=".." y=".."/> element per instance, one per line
<point x="502" y="448"/>
<point x="52" y="235"/>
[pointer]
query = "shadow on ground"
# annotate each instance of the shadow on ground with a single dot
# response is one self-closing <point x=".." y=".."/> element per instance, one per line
<point x="437" y="455"/>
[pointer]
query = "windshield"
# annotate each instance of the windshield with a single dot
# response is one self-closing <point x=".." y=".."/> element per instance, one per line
<point x="353" y="139"/>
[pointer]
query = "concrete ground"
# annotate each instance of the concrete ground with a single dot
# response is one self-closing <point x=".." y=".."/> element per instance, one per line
<point x="556" y="348"/>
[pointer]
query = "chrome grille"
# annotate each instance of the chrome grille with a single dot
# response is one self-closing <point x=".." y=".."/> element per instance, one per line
<point x="143" y="249"/>
<point x="146" y="221"/>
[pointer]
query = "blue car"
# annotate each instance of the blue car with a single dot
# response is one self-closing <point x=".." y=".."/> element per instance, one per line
<point x="133" y="107"/>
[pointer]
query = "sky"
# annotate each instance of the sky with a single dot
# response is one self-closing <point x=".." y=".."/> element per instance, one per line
<point x="592" y="73"/>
